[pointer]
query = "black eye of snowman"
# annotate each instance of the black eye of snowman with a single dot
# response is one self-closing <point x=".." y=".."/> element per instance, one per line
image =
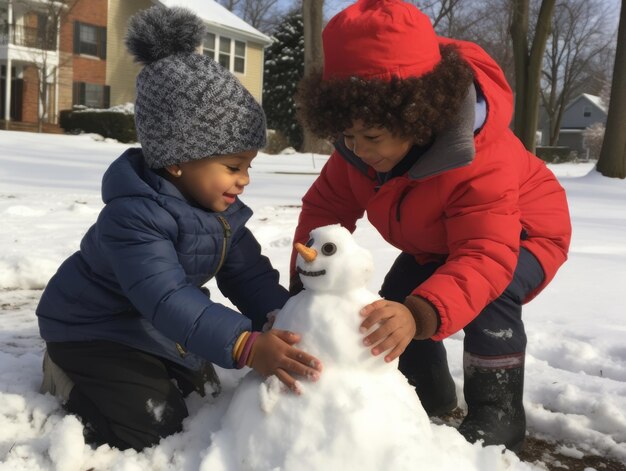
<point x="310" y="243"/>
<point x="329" y="248"/>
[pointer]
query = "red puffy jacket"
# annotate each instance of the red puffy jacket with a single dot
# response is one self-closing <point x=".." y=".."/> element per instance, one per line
<point x="470" y="216"/>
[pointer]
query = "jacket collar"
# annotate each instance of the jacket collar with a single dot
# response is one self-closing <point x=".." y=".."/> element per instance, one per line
<point x="129" y="175"/>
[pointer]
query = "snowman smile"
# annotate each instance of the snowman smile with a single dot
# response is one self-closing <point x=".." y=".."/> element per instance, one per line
<point x="310" y="273"/>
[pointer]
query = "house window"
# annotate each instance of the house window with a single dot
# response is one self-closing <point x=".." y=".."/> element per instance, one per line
<point x="90" y="40"/>
<point x="46" y="35"/>
<point x="587" y="111"/>
<point x="208" y="46"/>
<point x="240" y="56"/>
<point x="94" y="96"/>
<point x="230" y="53"/>
<point x="3" y="72"/>
<point x="91" y="95"/>
<point x="224" y="58"/>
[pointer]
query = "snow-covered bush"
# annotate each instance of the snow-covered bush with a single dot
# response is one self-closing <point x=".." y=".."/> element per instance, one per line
<point x="593" y="137"/>
<point x="117" y="122"/>
<point x="276" y="142"/>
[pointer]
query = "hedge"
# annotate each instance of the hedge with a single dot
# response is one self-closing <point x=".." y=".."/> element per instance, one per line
<point x="120" y="126"/>
<point x="555" y="154"/>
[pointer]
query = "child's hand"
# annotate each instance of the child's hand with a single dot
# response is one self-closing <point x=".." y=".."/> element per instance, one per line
<point x="397" y="327"/>
<point x="273" y="353"/>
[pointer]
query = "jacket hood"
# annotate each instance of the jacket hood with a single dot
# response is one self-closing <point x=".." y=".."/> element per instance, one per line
<point x="129" y="175"/>
<point x="496" y="90"/>
<point x="457" y="145"/>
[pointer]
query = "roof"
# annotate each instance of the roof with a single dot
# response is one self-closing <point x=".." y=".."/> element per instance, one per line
<point x="215" y="14"/>
<point x="596" y="100"/>
<point x="593" y="99"/>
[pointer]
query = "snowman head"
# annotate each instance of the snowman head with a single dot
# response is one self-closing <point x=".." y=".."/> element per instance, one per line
<point x="332" y="261"/>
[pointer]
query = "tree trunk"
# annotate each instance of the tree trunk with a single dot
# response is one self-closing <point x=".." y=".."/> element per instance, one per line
<point x="612" y="161"/>
<point x="43" y="99"/>
<point x="557" y="124"/>
<point x="312" y="15"/>
<point x="528" y="67"/>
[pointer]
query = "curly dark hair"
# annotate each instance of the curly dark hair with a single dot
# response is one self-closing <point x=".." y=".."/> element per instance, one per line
<point x="414" y="107"/>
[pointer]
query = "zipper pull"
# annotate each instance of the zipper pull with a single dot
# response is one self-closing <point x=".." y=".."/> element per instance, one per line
<point x="227" y="229"/>
<point x="181" y="351"/>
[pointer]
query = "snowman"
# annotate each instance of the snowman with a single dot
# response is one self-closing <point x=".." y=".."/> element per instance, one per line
<point x="361" y="414"/>
<point x="334" y="271"/>
<point x="348" y="408"/>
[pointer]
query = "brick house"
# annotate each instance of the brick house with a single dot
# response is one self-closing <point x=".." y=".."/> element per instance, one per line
<point x="76" y="47"/>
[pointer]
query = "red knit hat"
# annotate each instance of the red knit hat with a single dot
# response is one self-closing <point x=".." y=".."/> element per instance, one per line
<point x="379" y="39"/>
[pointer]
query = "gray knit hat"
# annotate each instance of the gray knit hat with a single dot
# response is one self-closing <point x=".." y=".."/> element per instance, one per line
<point x="188" y="106"/>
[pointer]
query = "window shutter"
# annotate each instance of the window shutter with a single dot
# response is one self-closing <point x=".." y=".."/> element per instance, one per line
<point x="107" y="96"/>
<point x="17" y="99"/>
<point x="76" y="37"/>
<point x="75" y="93"/>
<point x="102" y="42"/>
<point x="82" y="94"/>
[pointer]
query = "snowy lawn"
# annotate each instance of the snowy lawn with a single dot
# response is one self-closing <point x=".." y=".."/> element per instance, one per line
<point x="575" y="391"/>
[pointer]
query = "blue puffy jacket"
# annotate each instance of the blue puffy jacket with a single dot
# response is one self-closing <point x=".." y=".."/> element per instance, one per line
<point x="136" y="279"/>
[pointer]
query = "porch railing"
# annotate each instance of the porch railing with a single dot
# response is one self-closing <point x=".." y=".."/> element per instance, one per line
<point x="28" y="37"/>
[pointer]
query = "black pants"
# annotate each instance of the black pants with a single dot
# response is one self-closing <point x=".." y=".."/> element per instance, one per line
<point x="497" y="330"/>
<point x="125" y="397"/>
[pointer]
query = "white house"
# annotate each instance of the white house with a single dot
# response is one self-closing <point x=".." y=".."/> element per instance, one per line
<point x="579" y="114"/>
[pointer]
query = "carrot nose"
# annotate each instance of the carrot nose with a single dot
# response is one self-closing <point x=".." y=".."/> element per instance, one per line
<point x="308" y="254"/>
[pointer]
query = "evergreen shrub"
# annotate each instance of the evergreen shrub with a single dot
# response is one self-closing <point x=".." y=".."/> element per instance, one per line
<point x="112" y="124"/>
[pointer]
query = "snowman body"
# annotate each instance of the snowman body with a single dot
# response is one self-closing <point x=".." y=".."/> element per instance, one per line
<point x="329" y="324"/>
<point x="349" y="419"/>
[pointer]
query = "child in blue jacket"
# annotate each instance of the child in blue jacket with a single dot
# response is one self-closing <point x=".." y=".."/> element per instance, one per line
<point x="126" y="314"/>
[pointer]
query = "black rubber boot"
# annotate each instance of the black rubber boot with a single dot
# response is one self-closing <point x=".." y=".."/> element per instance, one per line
<point x="425" y="365"/>
<point x="494" y="388"/>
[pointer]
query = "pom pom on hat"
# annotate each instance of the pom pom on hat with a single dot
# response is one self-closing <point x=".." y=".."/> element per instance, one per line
<point x="160" y="32"/>
<point x="187" y="106"/>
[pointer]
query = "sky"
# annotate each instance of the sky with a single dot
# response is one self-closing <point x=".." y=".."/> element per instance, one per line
<point x="575" y="386"/>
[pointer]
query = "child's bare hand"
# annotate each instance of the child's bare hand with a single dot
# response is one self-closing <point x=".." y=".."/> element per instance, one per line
<point x="273" y="353"/>
<point x="396" y="330"/>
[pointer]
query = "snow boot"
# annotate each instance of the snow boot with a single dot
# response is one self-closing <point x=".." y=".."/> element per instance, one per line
<point x="55" y="380"/>
<point x="425" y="365"/>
<point x="494" y="388"/>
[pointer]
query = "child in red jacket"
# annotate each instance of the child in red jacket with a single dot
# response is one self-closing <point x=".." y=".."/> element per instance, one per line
<point x="423" y="145"/>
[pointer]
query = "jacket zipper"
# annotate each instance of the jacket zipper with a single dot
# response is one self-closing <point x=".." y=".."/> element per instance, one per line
<point x="227" y="233"/>
<point x="403" y="195"/>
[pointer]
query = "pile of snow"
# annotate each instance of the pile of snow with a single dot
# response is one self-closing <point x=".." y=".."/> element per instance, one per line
<point x="575" y="387"/>
<point x="125" y="108"/>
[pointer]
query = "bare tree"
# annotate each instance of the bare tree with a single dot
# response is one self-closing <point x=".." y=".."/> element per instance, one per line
<point x="312" y="14"/>
<point x="440" y="11"/>
<point x="528" y="58"/>
<point x="577" y="38"/>
<point x="493" y="33"/>
<point x="454" y="18"/>
<point x="52" y="14"/>
<point x="231" y="5"/>
<point x="263" y="15"/>
<point x="612" y="162"/>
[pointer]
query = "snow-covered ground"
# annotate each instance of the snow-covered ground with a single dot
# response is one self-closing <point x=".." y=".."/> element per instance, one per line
<point x="575" y="391"/>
